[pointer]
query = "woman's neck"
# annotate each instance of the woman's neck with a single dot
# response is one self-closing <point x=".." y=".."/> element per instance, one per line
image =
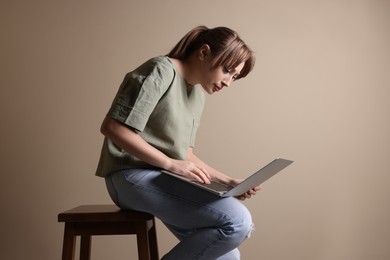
<point x="187" y="70"/>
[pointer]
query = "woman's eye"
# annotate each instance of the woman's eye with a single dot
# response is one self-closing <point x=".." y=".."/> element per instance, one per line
<point x="226" y="70"/>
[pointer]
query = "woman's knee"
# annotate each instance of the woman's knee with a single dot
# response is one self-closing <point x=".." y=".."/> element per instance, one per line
<point x="240" y="225"/>
<point x="245" y="224"/>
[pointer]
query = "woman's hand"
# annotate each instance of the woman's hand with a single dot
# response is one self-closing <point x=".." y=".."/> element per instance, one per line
<point x="248" y="194"/>
<point x="190" y="170"/>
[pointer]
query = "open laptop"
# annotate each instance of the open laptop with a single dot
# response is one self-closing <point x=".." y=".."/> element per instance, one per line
<point x="254" y="180"/>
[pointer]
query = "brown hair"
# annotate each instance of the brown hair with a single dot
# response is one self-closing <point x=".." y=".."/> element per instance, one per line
<point x="226" y="47"/>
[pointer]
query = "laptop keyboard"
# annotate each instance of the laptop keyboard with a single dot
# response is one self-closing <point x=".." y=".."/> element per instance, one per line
<point x="217" y="186"/>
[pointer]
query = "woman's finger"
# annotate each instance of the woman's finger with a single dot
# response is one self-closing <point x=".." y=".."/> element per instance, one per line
<point x="200" y="175"/>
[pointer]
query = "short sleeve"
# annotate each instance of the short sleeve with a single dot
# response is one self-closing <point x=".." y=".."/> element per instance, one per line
<point x="140" y="92"/>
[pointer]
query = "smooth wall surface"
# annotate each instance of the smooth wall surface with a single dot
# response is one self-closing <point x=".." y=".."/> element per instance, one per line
<point x="319" y="95"/>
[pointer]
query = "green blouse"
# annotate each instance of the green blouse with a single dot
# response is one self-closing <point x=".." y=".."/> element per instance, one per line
<point x="155" y="101"/>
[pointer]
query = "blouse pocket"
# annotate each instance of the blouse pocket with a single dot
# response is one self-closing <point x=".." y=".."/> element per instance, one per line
<point x="195" y="126"/>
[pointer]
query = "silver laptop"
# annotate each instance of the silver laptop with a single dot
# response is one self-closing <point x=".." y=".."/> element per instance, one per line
<point x="254" y="180"/>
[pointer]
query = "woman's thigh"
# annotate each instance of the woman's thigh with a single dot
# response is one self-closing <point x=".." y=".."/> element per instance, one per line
<point x="173" y="201"/>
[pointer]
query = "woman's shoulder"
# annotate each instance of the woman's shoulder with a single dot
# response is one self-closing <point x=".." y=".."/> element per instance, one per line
<point x="159" y="65"/>
<point x="160" y="62"/>
<point x="162" y="59"/>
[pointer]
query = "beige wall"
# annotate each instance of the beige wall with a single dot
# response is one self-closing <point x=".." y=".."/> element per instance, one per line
<point x="319" y="95"/>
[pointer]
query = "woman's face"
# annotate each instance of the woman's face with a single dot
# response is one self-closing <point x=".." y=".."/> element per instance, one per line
<point x="214" y="79"/>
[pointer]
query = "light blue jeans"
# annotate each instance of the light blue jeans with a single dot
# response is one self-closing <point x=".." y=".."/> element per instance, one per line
<point x="207" y="226"/>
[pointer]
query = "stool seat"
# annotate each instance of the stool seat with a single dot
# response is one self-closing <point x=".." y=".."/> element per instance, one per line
<point x="89" y="220"/>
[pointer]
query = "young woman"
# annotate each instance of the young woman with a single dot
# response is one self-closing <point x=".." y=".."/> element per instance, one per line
<point x="152" y="124"/>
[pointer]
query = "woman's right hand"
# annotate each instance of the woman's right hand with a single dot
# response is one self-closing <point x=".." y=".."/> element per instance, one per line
<point x="189" y="170"/>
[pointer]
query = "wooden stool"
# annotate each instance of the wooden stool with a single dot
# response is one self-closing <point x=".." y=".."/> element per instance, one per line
<point x="89" y="220"/>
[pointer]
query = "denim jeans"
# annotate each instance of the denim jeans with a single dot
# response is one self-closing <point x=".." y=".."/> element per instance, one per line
<point x="208" y="227"/>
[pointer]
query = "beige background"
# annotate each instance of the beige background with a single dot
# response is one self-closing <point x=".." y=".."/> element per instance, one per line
<point x="319" y="95"/>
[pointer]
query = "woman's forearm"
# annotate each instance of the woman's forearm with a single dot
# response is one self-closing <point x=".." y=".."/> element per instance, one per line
<point x="134" y="144"/>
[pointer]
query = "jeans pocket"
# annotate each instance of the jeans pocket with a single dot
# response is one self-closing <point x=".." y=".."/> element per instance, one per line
<point x="134" y="176"/>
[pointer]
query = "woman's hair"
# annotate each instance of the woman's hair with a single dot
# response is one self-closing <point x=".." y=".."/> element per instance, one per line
<point x="227" y="48"/>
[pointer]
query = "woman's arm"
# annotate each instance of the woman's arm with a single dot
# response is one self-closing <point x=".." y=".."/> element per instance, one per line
<point x="134" y="144"/>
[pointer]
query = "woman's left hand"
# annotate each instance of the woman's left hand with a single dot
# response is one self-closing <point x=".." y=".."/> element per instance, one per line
<point x="249" y="193"/>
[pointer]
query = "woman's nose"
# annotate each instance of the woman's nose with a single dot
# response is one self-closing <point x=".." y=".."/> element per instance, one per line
<point x="226" y="82"/>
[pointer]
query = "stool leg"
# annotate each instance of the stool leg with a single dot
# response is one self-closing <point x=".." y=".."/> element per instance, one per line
<point x="143" y="242"/>
<point x="69" y="244"/>
<point x="85" y="248"/>
<point x="153" y="242"/>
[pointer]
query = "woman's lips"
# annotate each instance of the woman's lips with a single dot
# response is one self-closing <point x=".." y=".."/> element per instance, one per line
<point x="216" y="88"/>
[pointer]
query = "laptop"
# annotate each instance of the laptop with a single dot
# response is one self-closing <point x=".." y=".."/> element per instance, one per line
<point x="254" y="180"/>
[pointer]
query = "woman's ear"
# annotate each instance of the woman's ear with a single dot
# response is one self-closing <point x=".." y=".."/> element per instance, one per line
<point x="204" y="51"/>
